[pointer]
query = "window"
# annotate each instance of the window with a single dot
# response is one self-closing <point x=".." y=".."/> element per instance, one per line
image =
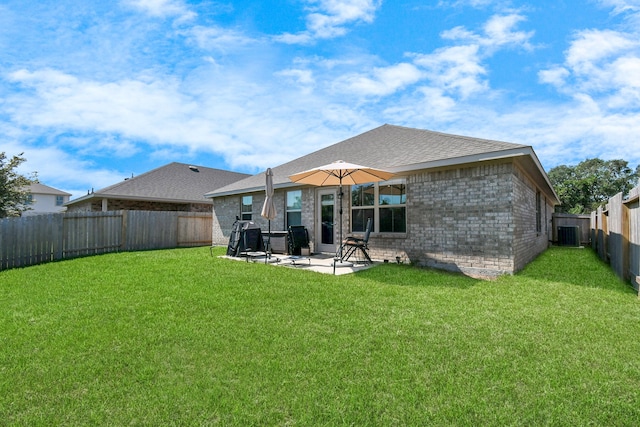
<point x="247" y="208"/>
<point x="363" y="199"/>
<point x="393" y="211"/>
<point x="59" y="200"/>
<point x="294" y="208"/>
<point x="384" y="201"/>
<point x="29" y="200"/>
<point x="538" y="212"/>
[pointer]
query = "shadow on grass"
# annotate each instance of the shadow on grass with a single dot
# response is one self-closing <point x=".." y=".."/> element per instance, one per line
<point x="408" y="275"/>
<point x="574" y="266"/>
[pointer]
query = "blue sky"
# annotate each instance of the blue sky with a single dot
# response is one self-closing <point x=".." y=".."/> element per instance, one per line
<point x="94" y="91"/>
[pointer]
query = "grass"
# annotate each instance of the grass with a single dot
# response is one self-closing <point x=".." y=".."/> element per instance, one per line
<point x="176" y="337"/>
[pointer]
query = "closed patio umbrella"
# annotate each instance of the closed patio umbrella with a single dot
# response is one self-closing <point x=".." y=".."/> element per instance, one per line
<point x="339" y="173"/>
<point x="269" y="208"/>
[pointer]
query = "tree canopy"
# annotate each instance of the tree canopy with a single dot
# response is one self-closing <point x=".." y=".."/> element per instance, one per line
<point x="14" y="188"/>
<point x="587" y="185"/>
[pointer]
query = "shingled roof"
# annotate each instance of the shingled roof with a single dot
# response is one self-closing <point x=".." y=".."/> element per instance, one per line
<point x="37" y="188"/>
<point x="174" y="183"/>
<point x="397" y="149"/>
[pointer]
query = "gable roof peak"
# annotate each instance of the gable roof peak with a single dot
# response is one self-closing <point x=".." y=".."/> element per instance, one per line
<point x="388" y="147"/>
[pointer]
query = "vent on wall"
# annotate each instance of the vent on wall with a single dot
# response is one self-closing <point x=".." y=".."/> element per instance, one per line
<point x="569" y="236"/>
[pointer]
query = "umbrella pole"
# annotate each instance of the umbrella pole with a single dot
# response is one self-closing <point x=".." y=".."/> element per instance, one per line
<point x="268" y="255"/>
<point x="339" y="253"/>
<point x="340" y="233"/>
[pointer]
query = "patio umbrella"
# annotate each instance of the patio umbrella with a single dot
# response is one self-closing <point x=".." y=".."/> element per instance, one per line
<point x="339" y="173"/>
<point x="269" y="208"/>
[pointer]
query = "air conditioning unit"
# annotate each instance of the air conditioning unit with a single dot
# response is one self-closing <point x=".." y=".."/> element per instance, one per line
<point x="569" y="235"/>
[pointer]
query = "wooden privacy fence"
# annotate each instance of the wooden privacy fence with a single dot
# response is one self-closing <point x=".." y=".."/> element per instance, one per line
<point x="615" y="235"/>
<point x="41" y="238"/>
<point x="564" y="220"/>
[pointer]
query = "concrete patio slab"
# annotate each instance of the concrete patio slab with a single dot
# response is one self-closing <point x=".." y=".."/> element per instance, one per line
<point x="321" y="263"/>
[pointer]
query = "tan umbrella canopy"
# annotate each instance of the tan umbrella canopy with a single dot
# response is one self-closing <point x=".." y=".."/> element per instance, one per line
<point x="339" y="173"/>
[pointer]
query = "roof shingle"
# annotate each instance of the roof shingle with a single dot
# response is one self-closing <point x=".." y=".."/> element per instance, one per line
<point x="176" y="182"/>
<point x="388" y="147"/>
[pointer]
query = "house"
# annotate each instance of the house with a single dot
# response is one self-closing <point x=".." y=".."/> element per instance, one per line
<point x="458" y="203"/>
<point x="173" y="187"/>
<point x="43" y="199"/>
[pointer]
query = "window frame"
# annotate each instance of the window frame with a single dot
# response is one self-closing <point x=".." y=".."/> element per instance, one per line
<point x="246" y="215"/>
<point x="289" y="209"/>
<point x="376" y="206"/>
<point x="538" y="212"/>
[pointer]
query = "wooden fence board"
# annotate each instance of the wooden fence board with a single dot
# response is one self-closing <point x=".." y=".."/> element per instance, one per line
<point x="615" y="246"/>
<point x="634" y="243"/>
<point x="194" y="230"/>
<point x="569" y="220"/>
<point x="41" y="238"/>
<point x="617" y="231"/>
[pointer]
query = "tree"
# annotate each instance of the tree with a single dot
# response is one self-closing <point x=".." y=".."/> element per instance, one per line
<point x="584" y="187"/>
<point x="14" y="189"/>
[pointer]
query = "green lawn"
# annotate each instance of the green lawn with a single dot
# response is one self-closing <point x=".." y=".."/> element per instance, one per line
<point x="177" y="337"/>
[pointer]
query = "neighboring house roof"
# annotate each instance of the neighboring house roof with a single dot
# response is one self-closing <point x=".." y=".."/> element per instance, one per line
<point x="401" y="150"/>
<point x="37" y="188"/>
<point x="173" y="183"/>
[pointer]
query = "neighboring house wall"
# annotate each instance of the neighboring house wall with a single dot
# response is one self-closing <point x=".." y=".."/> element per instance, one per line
<point x="45" y="203"/>
<point x="137" y="205"/>
<point x="43" y="199"/>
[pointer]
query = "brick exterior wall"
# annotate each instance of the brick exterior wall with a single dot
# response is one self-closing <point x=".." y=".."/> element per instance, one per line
<point x="479" y="220"/>
<point x="137" y="205"/>
<point x="528" y="241"/>
<point x="458" y="220"/>
<point x="225" y="210"/>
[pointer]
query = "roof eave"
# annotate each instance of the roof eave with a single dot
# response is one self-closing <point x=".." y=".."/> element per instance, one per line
<point x="455" y="161"/>
<point x="214" y="194"/>
<point x="137" y="198"/>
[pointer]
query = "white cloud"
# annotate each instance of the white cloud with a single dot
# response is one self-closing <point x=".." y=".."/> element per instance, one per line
<point x="592" y="46"/>
<point x="498" y="31"/>
<point x="303" y="78"/>
<point x="219" y="39"/>
<point x="135" y="108"/>
<point x="462" y="3"/>
<point x="455" y="70"/>
<point x="449" y="71"/>
<point x="381" y="81"/>
<point x="555" y="76"/>
<point x="329" y="19"/>
<point x="459" y="70"/>
<point x="622" y="6"/>
<point x="222" y="114"/>
<point x="162" y="8"/>
<point x="330" y="15"/>
<point x="58" y="168"/>
<point x="602" y="64"/>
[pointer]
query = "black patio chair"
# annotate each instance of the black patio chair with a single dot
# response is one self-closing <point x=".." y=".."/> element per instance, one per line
<point x="352" y="244"/>
<point x="298" y="239"/>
